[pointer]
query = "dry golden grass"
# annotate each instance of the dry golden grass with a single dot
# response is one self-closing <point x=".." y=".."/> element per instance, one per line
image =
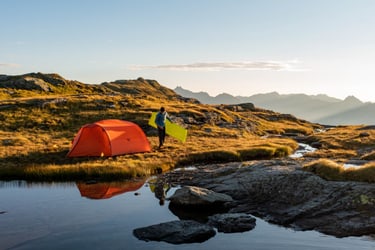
<point x="369" y="156"/>
<point x="347" y="137"/>
<point x="344" y="142"/>
<point x="330" y="170"/>
<point x="332" y="153"/>
<point x="38" y="156"/>
<point x="326" y="169"/>
<point x="36" y="133"/>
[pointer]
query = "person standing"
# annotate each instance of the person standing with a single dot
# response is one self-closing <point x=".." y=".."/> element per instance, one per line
<point x="160" y="119"/>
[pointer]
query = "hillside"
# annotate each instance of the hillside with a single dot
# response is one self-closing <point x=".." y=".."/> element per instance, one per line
<point x="132" y="98"/>
<point x="315" y="108"/>
<point x="41" y="113"/>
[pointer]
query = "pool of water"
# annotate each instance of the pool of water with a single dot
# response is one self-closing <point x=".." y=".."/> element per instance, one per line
<point x="90" y="216"/>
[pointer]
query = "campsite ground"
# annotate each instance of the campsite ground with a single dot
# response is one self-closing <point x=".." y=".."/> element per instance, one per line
<point x="37" y="130"/>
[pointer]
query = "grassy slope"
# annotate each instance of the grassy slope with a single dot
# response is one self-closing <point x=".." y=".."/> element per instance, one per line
<point x="37" y="129"/>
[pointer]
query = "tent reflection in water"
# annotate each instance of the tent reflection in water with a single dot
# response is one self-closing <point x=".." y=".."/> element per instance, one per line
<point x="109" y="138"/>
<point x="106" y="190"/>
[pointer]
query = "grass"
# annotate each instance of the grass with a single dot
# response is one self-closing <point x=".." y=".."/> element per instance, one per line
<point x="369" y="156"/>
<point x="36" y="130"/>
<point x="346" y="138"/>
<point x="330" y="170"/>
<point x="43" y="156"/>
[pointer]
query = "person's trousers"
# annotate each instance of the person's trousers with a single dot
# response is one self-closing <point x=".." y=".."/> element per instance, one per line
<point x="161" y="132"/>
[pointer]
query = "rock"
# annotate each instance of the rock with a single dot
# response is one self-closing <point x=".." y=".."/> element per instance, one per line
<point x="176" y="232"/>
<point x="195" y="196"/>
<point x="280" y="192"/>
<point x="370" y="127"/>
<point x="364" y="134"/>
<point x="232" y="222"/>
<point x="247" y="106"/>
<point x="7" y="142"/>
<point x="316" y="144"/>
<point x="194" y="203"/>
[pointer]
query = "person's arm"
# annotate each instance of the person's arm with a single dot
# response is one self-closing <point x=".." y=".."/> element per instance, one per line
<point x="167" y="117"/>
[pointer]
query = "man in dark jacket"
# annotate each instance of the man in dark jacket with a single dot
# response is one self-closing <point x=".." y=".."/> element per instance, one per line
<point x="160" y="119"/>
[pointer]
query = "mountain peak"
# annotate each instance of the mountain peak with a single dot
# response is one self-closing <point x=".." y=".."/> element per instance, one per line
<point x="352" y="100"/>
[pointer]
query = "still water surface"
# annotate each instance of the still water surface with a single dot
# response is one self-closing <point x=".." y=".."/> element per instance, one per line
<point x="61" y="216"/>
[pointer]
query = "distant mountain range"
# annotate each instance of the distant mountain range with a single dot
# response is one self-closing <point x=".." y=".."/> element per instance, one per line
<point x="321" y="108"/>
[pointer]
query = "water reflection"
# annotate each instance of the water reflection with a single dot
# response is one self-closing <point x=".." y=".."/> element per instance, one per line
<point x="56" y="216"/>
<point x="160" y="188"/>
<point x="106" y="190"/>
<point x="26" y="184"/>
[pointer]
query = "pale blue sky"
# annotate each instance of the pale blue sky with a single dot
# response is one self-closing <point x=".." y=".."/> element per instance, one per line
<point x="241" y="47"/>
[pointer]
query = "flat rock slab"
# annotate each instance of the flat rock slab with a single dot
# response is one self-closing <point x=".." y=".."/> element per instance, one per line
<point x="176" y="232"/>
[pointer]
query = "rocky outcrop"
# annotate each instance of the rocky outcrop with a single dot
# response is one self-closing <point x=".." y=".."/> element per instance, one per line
<point x="26" y="83"/>
<point x="42" y="83"/>
<point x="281" y="192"/>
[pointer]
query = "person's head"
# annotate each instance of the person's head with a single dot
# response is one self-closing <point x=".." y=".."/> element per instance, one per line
<point x="162" y="109"/>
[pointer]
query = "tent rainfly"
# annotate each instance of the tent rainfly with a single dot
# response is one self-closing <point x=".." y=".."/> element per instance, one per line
<point x="109" y="138"/>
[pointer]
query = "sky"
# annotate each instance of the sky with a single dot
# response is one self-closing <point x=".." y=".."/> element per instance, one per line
<point x="240" y="47"/>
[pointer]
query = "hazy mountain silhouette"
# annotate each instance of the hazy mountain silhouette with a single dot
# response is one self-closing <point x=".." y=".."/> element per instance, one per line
<point x="315" y="108"/>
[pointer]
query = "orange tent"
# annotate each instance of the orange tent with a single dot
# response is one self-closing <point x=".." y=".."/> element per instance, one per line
<point x="109" y="138"/>
<point x="108" y="190"/>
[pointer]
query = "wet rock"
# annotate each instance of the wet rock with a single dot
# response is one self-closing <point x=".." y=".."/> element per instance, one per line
<point x="281" y="192"/>
<point x="232" y="222"/>
<point x="199" y="214"/>
<point x="194" y="203"/>
<point x="176" y="232"/>
<point x="195" y="196"/>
